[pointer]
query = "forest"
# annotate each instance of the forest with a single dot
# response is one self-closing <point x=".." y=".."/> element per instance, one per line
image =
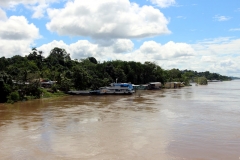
<point x="20" y="76"/>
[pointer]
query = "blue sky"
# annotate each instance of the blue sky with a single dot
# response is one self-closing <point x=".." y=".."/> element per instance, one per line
<point x="198" y="34"/>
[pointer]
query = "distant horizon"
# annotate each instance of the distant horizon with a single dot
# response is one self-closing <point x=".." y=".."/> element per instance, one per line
<point x="199" y="35"/>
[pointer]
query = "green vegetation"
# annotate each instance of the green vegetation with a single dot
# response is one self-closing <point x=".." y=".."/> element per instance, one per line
<point x="207" y="75"/>
<point x="20" y="77"/>
<point x="201" y="80"/>
<point x="48" y="94"/>
<point x="13" y="97"/>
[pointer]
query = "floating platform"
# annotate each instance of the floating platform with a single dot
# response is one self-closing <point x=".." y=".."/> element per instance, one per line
<point x="79" y="92"/>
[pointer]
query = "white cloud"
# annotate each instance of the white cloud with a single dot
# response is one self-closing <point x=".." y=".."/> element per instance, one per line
<point x="220" y="55"/>
<point x="123" y="45"/>
<point x="46" y="48"/>
<point x="14" y="3"/>
<point x="163" y="3"/>
<point x="39" y="10"/>
<point x="235" y="29"/>
<point x="3" y="15"/>
<point x="78" y="50"/>
<point x="107" y="20"/>
<point x="227" y="66"/>
<point x="172" y="49"/>
<point x="18" y="28"/>
<point x="123" y="50"/>
<point x="218" y="46"/>
<point x="181" y="17"/>
<point x="16" y="36"/>
<point x="208" y="59"/>
<point x="38" y="7"/>
<point x="169" y="50"/>
<point x="83" y="49"/>
<point x="226" y="63"/>
<point x="221" y="18"/>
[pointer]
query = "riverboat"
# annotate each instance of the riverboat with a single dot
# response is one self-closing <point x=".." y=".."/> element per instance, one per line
<point x="113" y="88"/>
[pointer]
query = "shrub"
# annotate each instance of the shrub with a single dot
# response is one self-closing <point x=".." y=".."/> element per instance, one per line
<point x="13" y="97"/>
<point x="201" y="81"/>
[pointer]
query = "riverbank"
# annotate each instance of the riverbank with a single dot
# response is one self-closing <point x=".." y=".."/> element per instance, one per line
<point x="46" y="93"/>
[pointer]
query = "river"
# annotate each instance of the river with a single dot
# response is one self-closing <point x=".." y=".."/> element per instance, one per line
<point x="191" y="123"/>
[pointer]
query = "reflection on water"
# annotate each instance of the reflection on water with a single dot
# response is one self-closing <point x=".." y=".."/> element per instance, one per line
<point x="192" y="123"/>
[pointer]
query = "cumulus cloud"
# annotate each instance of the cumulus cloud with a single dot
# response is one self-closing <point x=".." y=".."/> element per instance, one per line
<point x="3" y="15"/>
<point x="123" y="45"/>
<point x="163" y="3"/>
<point x="83" y="49"/>
<point x="16" y="36"/>
<point x="218" y="46"/>
<point x="107" y="20"/>
<point x="18" y="28"/>
<point x="78" y="50"/>
<point x="227" y="66"/>
<point x="123" y="50"/>
<point x="39" y="10"/>
<point x="46" y="48"/>
<point x="169" y="50"/>
<point x="220" y="55"/>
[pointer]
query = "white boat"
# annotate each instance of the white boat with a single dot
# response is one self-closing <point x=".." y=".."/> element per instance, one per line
<point x="117" y="88"/>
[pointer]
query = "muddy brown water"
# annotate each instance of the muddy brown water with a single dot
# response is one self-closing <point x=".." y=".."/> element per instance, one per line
<point x="191" y="123"/>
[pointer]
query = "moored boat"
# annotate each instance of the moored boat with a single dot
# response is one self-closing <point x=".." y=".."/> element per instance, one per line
<point x="113" y="88"/>
<point x="117" y="88"/>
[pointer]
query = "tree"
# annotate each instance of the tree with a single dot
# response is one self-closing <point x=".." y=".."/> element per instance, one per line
<point x="58" y="56"/>
<point x="81" y="78"/>
<point x="93" y="60"/>
<point x="201" y="80"/>
<point x="3" y="63"/>
<point x="5" y="86"/>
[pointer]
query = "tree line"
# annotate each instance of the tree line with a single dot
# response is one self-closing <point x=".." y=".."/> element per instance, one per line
<point x="20" y="76"/>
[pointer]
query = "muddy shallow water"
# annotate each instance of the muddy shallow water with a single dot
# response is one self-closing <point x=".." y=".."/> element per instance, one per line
<point x="191" y="123"/>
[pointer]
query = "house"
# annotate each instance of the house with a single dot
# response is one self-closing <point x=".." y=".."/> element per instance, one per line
<point x="154" y="85"/>
<point x="173" y="85"/>
<point x="47" y="83"/>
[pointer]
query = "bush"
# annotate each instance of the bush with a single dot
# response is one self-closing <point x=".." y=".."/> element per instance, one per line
<point x="5" y="91"/>
<point x="34" y="90"/>
<point x="54" y="88"/>
<point x="13" y="97"/>
<point x="46" y="94"/>
<point x="201" y="81"/>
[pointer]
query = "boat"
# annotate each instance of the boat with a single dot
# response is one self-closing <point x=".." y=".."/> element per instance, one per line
<point x="79" y="92"/>
<point x="115" y="88"/>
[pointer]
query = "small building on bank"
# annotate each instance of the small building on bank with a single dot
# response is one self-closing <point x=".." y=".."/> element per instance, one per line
<point x="173" y="85"/>
<point x="155" y="85"/>
<point x="47" y="83"/>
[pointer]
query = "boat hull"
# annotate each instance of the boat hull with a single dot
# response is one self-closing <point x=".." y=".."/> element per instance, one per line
<point x="98" y="93"/>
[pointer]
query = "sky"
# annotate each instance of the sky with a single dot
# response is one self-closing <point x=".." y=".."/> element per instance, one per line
<point x="199" y="35"/>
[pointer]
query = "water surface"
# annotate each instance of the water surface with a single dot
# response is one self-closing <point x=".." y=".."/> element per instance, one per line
<point x="191" y="123"/>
